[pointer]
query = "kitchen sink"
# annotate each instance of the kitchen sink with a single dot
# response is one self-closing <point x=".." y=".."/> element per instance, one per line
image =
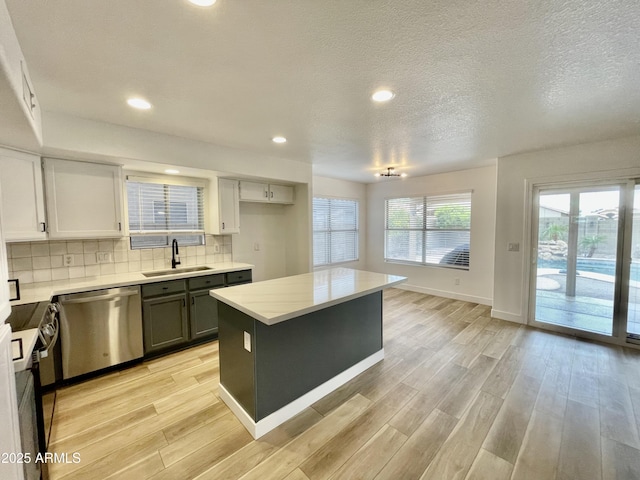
<point x="174" y="271"/>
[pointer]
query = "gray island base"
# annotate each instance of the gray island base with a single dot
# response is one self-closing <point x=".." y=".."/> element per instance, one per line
<point x="276" y="360"/>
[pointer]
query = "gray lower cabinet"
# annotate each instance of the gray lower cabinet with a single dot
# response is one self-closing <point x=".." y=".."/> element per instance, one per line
<point x="178" y="312"/>
<point x="165" y="321"/>
<point x="203" y="314"/>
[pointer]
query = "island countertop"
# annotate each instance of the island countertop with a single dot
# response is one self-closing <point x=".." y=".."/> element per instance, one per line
<point x="280" y="299"/>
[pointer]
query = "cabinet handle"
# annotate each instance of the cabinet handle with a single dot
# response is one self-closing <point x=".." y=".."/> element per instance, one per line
<point x="271" y="194"/>
<point x="193" y="300"/>
<point x="119" y="226"/>
<point x="223" y="225"/>
<point x="266" y="194"/>
<point x="165" y="288"/>
<point x="43" y="227"/>
<point x="17" y="282"/>
<point x="184" y="302"/>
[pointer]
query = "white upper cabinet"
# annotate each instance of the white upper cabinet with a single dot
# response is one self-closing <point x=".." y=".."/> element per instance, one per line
<point x="22" y="196"/>
<point x="280" y="194"/>
<point x="84" y="200"/>
<point x="229" y="206"/>
<point x="254" y="192"/>
<point x="263" y="192"/>
<point x="20" y="120"/>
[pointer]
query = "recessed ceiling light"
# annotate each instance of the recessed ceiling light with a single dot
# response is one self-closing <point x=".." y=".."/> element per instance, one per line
<point x="139" y="103"/>
<point x="171" y="171"/>
<point x="279" y="140"/>
<point x="203" y="3"/>
<point x="382" y="96"/>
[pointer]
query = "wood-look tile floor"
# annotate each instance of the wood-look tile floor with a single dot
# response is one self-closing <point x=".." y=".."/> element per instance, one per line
<point x="459" y="395"/>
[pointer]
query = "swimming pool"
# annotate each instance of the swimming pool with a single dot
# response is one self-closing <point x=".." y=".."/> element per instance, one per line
<point x="605" y="267"/>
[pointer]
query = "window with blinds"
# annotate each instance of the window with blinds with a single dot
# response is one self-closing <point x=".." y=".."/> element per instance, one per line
<point x="335" y="231"/>
<point x="429" y="230"/>
<point x="160" y="212"/>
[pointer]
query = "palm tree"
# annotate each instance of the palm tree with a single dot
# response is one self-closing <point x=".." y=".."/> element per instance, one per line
<point x="591" y="243"/>
<point x="554" y="232"/>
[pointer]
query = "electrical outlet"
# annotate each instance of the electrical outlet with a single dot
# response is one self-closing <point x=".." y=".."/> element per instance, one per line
<point x="513" y="247"/>
<point x="456" y="281"/>
<point x="247" y="341"/>
<point x="216" y="249"/>
<point x="68" y="260"/>
<point x="104" y="257"/>
<point x="256" y="247"/>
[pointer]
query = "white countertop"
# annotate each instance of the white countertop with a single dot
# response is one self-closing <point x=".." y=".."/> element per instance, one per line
<point x="29" y="339"/>
<point x="281" y="299"/>
<point x="43" y="291"/>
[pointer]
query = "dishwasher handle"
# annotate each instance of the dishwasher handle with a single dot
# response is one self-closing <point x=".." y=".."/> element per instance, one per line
<point x="108" y="295"/>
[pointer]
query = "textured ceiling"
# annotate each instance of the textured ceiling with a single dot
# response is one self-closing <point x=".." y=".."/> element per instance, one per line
<point x="473" y="80"/>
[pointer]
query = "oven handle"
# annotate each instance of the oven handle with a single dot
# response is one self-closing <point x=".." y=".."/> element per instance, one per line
<point x="53" y="322"/>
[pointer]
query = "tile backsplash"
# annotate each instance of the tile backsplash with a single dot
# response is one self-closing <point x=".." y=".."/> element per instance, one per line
<point x="33" y="262"/>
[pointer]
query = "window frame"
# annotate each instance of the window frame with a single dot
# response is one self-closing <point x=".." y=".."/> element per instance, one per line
<point x="329" y="231"/>
<point x="138" y="177"/>
<point x="425" y="229"/>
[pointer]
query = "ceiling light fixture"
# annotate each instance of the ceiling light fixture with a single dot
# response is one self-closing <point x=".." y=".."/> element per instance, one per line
<point x="172" y="171"/>
<point x="391" y="172"/>
<point x="279" y="140"/>
<point x="382" y="96"/>
<point x="203" y="3"/>
<point x="139" y="103"/>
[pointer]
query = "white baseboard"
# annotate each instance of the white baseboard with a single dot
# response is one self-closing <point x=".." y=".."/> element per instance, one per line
<point x="510" y="317"/>
<point x="260" y="428"/>
<point x="446" y="294"/>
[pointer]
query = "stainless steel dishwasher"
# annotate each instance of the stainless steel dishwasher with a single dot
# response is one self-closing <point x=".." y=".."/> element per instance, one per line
<point x="99" y="329"/>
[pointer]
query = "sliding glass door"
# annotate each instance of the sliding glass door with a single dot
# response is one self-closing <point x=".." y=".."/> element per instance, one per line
<point x="577" y="260"/>
<point x="585" y="275"/>
<point x="633" y="301"/>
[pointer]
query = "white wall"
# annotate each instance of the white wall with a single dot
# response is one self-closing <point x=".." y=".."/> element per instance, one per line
<point x="298" y="232"/>
<point x="264" y="224"/>
<point x="74" y="137"/>
<point x="601" y="160"/>
<point x="331" y="187"/>
<point x="476" y="284"/>
<point x="282" y="233"/>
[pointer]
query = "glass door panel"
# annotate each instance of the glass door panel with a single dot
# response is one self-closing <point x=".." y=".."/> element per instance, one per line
<point x="577" y="258"/>
<point x="633" y="306"/>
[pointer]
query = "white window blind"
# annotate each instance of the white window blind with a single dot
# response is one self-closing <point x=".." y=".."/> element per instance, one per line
<point x="429" y="230"/>
<point x="159" y="212"/>
<point x="335" y="231"/>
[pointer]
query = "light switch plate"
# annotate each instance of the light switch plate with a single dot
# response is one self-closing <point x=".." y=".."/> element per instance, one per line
<point x="247" y="341"/>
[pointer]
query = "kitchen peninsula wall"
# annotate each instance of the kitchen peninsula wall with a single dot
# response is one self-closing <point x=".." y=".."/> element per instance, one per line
<point x="33" y="262"/>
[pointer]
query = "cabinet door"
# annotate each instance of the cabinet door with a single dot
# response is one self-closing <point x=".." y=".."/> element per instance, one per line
<point x="165" y="322"/>
<point x="228" y="204"/>
<point x="84" y="200"/>
<point x="280" y="194"/>
<point x="203" y="314"/>
<point x="5" y="305"/>
<point x="22" y="196"/>
<point x="254" y="192"/>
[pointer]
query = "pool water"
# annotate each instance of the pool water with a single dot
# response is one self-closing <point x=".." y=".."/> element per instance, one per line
<point x="605" y="267"/>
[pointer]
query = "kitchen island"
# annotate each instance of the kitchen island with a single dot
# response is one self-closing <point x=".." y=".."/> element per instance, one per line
<point x="286" y="343"/>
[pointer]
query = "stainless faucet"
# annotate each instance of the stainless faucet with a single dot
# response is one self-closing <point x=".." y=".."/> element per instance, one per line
<point x="175" y="257"/>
